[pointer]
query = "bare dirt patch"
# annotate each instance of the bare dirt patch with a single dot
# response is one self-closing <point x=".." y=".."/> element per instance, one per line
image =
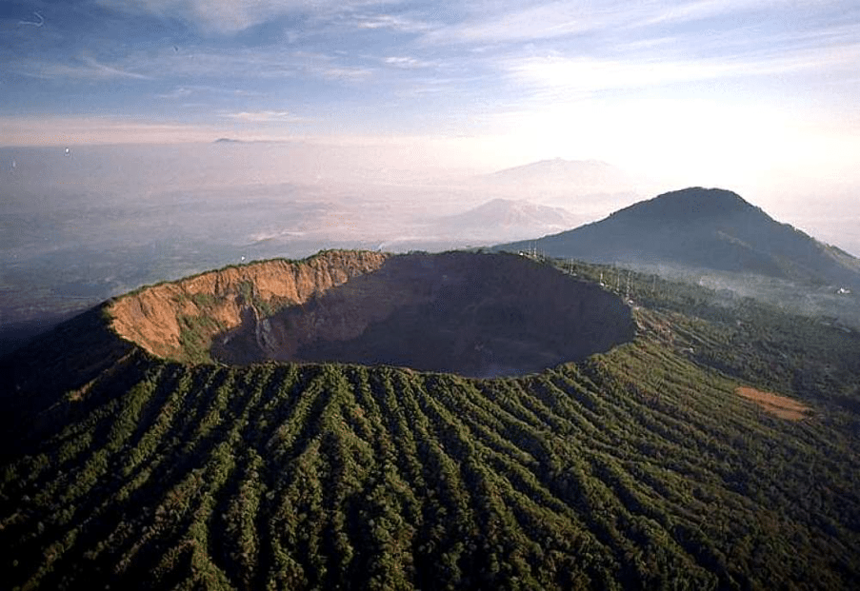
<point x="781" y="406"/>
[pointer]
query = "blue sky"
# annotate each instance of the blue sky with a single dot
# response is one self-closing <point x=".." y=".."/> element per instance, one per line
<point x="711" y="87"/>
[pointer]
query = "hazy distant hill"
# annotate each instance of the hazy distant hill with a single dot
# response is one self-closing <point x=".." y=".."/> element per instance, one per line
<point x="592" y="175"/>
<point x="507" y="218"/>
<point x="703" y="228"/>
<point x="587" y="188"/>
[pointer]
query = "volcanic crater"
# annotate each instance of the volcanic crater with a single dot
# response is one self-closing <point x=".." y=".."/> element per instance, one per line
<point x="474" y="314"/>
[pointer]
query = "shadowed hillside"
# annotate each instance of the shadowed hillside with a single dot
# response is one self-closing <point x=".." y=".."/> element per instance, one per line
<point x="661" y="463"/>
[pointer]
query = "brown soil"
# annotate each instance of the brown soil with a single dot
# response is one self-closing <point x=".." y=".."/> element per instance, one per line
<point x="473" y="314"/>
<point x="152" y="317"/>
<point x="781" y="406"/>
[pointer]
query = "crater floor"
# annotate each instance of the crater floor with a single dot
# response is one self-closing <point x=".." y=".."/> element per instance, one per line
<point x="471" y="314"/>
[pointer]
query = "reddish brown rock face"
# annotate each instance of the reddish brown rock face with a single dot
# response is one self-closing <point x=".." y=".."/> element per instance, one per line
<point x="155" y="317"/>
<point x="474" y="314"/>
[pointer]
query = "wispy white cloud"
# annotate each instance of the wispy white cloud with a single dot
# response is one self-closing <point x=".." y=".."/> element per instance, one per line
<point x="395" y="22"/>
<point x="38" y="20"/>
<point x="501" y="21"/>
<point x="232" y="16"/>
<point x="221" y="16"/>
<point x="697" y="10"/>
<point x="327" y="66"/>
<point x="85" y="68"/>
<point x="186" y="91"/>
<point x="210" y="70"/>
<point x="263" y="117"/>
<point x="344" y="74"/>
<point x="180" y="92"/>
<point x="561" y="74"/>
<point x="506" y="22"/>
<point x="524" y="23"/>
<point x="406" y="62"/>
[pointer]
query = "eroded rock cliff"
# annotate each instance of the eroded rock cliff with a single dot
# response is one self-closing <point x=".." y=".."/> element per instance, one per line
<point x="165" y="319"/>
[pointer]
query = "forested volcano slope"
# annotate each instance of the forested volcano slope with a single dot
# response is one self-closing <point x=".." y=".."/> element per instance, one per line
<point x="637" y="468"/>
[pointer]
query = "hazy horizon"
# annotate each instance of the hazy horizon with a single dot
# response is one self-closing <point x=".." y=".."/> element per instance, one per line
<point x="316" y="171"/>
<point x="757" y="88"/>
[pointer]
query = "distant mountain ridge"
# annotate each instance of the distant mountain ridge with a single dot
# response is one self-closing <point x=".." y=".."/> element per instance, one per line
<point x="511" y="212"/>
<point x="507" y="219"/>
<point x="704" y="228"/>
<point x="559" y="169"/>
<point x="558" y="174"/>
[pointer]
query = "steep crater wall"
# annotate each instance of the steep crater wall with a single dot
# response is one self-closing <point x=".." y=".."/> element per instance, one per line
<point x="474" y="314"/>
<point x="178" y="320"/>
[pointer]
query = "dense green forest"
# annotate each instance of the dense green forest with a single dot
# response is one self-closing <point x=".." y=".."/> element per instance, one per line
<point x="637" y="468"/>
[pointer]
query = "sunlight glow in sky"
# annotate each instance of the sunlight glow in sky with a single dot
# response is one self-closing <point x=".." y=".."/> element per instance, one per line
<point x="720" y="91"/>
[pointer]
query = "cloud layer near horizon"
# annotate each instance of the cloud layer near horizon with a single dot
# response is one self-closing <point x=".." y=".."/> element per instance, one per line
<point x="626" y="82"/>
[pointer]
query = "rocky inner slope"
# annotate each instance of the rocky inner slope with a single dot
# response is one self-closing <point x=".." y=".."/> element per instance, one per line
<point x="473" y="314"/>
<point x="173" y="319"/>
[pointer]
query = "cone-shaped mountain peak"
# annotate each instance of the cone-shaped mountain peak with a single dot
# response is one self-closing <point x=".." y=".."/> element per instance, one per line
<point x="698" y="228"/>
<point x="694" y="203"/>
